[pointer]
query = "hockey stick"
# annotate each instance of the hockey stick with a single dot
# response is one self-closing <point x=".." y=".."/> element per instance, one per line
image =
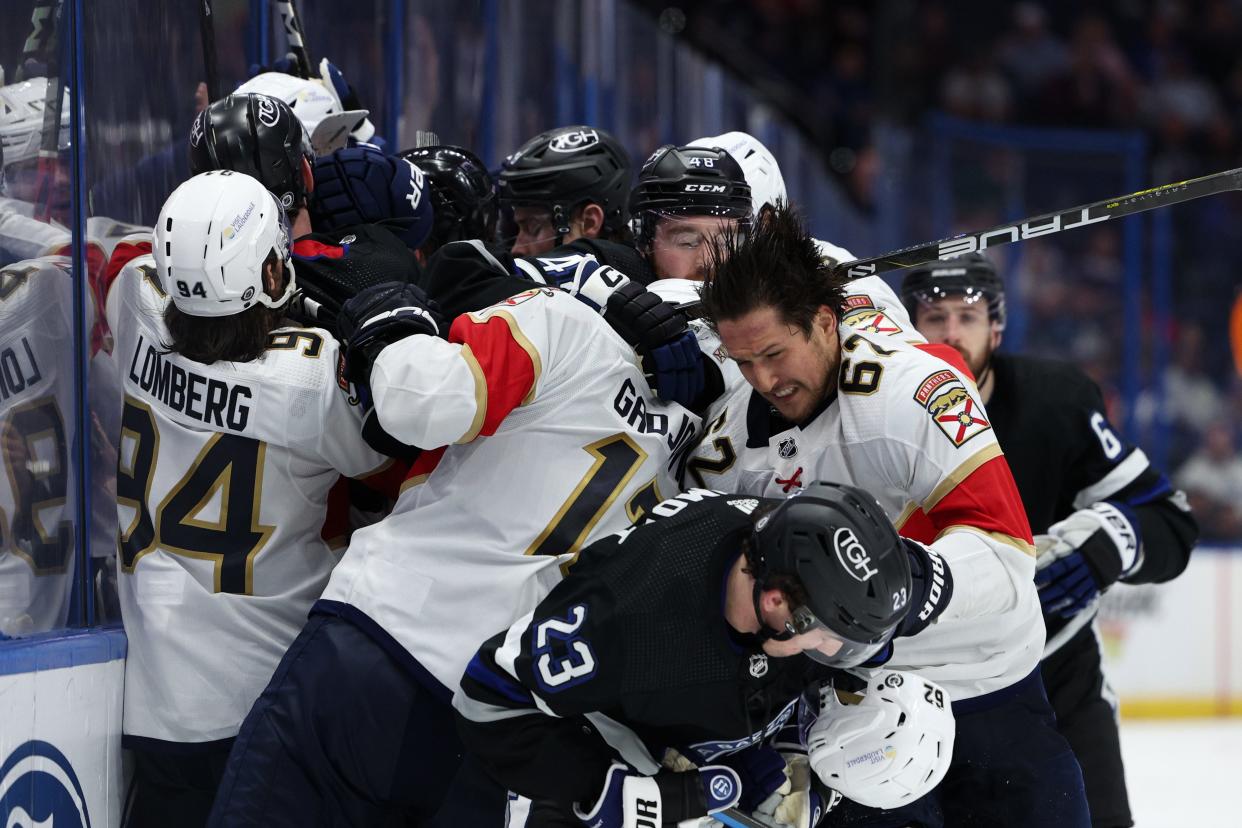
<point x="293" y="33"/>
<point x="207" y="32"/>
<point x="1045" y="225"/>
<point x="734" y="818"/>
<point x="53" y="101"/>
<point x="42" y="25"/>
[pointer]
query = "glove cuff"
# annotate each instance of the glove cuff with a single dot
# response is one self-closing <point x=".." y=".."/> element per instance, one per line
<point x="1122" y="554"/>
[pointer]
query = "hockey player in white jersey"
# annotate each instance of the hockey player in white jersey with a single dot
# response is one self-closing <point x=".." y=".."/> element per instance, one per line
<point x="540" y="434"/>
<point x="37" y="398"/>
<point x="234" y="429"/>
<point x="831" y="402"/>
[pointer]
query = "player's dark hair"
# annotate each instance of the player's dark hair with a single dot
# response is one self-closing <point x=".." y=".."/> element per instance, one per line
<point x="240" y="337"/>
<point x="778" y="265"/>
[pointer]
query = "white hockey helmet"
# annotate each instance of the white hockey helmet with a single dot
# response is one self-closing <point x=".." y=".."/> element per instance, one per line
<point x="889" y="749"/>
<point x="763" y="174"/>
<point x="317" y="106"/>
<point x="212" y="238"/>
<point x="21" y="119"/>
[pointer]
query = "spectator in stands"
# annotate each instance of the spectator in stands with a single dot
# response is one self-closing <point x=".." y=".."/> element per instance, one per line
<point x="1212" y="479"/>
<point x="1031" y="53"/>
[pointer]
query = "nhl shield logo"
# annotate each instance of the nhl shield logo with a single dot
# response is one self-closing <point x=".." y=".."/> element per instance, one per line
<point x="758" y="666"/>
<point x="787" y="448"/>
<point x="956" y="413"/>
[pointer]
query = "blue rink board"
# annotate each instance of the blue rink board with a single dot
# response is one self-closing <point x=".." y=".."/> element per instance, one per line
<point x="54" y="650"/>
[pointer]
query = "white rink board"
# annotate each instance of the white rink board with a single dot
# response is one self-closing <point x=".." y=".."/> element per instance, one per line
<point x="60" y="730"/>
<point x="1175" y="649"/>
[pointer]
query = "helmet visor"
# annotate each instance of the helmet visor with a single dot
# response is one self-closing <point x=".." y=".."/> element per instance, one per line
<point x="528" y="230"/>
<point x="826" y="646"/>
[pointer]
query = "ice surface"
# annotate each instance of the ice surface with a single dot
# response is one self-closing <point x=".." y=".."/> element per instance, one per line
<point x="1184" y="773"/>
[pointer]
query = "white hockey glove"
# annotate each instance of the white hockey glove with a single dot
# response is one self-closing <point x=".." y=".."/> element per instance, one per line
<point x="889" y="749"/>
<point x="1083" y="555"/>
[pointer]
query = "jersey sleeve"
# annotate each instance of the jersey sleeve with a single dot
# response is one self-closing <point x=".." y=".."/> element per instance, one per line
<point x="946" y="456"/>
<point x="526" y="702"/>
<point x="340" y="440"/>
<point x="431" y="393"/>
<point x="1108" y="468"/>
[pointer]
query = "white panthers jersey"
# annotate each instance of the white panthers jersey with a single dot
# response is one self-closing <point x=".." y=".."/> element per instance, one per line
<point x="37" y="427"/>
<point x="549" y="437"/>
<point x="871" y="306"/>
<point x="222" y="485"/>
<point x="908" y="428"/>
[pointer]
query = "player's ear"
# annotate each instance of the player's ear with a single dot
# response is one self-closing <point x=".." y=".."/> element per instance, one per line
<point x="308" y="175"/>
<point x="997" y="332"/>
<point x="826" y="320"/>
<point x="592" y="219"/>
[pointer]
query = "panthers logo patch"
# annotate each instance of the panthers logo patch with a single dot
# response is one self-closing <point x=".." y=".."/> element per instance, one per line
<point x="957" y="414"/>
<point x="861" y="314"/>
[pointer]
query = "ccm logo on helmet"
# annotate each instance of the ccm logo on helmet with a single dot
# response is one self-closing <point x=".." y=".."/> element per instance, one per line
<point x="705" y="188"/>
<point x="574" y="141"/>
<point x="852" y="555"/>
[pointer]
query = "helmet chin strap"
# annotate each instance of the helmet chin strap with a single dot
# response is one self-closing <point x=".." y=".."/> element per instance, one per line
<point x="765" y="632"/>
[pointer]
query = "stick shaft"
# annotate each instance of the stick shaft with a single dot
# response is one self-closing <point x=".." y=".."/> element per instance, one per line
<point x="207" y="32"/>
<point x="293" y="33"/>
<point x="1046" y="224"/>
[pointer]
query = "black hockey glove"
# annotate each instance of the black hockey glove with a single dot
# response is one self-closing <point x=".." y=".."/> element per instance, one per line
<point x="1083" y="555"/>
<point x="378" y="317"/>
<point x="931" y="589"/>
<point x="630" y="799"/>
<point x="658" y="331"/>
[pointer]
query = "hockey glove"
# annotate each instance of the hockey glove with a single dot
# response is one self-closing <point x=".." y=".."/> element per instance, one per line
<point x="1083" y="555"/>
<point x="630" y="800"/>
<point x="658" y="331"/>
<point x="378" y="317"/>
<point x="801" y="802"/>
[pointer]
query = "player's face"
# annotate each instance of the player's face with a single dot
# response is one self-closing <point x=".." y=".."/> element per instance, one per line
<point x="535" y="233"/>
<point x="962" y="325"/>
<point x="776" y="614"/>
<point x="793" y="370"/>
<point x="682" y="245"/>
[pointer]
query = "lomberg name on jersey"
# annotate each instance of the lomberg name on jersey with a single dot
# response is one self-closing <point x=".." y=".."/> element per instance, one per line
<point x="18" y="369"/>
<point x="207" y="400"/>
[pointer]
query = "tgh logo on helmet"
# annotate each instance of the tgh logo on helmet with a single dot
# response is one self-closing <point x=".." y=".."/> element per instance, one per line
<point x="574" y="141"/>
<point x="852" y="555"/>
<point x="38" y="787"/>
<point x="269" y="115"/>
<point x="196" y="131"/>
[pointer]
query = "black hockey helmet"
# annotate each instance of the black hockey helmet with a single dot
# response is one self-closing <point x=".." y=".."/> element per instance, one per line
<point x="836" y="541"/>
<point x="462" y="193"/>
<point x="698" y="181"/>
<point x="972" y="276"/>
<point x="254" y="134"/>
<point x="564" y="168"/>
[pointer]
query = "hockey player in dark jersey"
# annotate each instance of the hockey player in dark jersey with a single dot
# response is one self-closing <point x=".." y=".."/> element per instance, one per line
<point x="687" y="633"/>
<point x="1101" y="513"/>
<point x="564" y="184"/>
<point x="262" y="137"/>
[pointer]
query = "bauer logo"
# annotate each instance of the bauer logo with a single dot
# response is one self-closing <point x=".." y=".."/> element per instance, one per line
<point x="578" y="139"/>
<point x="39" y="789"/>
<point x="852" y="555"/>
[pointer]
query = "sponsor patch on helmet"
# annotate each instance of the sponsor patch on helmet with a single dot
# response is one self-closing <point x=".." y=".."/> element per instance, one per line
<point x="852" y="555"/>
<point x="954" y="411"/>
<point x="574" y="141"/>
<point x="197" y="131"/>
